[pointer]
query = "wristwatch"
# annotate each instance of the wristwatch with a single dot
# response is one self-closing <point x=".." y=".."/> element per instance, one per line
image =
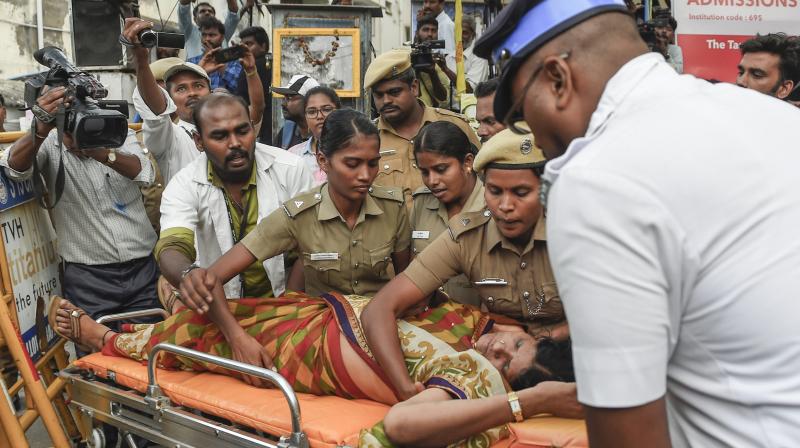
<point x="516" y="408"/>
<point x="189" y="269"/>
<point x="112" y="157"/>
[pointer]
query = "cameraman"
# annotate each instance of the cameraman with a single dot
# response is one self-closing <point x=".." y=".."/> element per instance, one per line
<point x="434" y="82"/>
<point x="172" y="143"/>
<point x="104" y="236"/>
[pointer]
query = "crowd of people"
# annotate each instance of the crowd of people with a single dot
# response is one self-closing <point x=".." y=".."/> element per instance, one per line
<point x="599" y="186"/>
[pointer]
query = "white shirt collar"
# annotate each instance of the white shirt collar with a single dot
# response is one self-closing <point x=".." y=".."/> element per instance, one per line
<point x="616" y="91"/>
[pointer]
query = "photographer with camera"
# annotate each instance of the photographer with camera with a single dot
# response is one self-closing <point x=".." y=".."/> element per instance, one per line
<point x="223" y="65"/>
<point x="430" y="67"/>
<point x="186" y="83"/>
<point x="104" y="236"/>
<point x="204" y="10"/>
<point x="395" y="90"/>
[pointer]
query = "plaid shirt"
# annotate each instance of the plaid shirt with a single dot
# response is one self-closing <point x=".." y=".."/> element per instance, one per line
<point x="228" y="79"/>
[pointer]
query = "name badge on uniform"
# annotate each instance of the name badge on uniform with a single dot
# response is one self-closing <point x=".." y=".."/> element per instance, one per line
<point x="492" y="281"/>
<point x="388" y="152"/>
<point x="421" y="234"/>
<point x="325" y="256"/>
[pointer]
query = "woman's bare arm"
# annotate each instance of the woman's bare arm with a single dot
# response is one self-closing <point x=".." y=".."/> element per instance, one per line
<point x="410" y="423"/>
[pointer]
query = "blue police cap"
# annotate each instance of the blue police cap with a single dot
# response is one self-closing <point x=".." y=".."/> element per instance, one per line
<point x="523" y="27"/>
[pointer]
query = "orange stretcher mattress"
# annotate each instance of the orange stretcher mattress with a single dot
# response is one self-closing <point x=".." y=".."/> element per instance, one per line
<point x="327" y="421"/>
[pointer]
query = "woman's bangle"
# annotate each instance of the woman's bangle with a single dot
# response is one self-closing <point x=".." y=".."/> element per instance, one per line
<point x="248" y="74"/>
<point x="516" y="408"/>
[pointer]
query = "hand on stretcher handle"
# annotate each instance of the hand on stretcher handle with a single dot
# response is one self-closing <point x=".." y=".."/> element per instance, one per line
<point x="297" y="437"/>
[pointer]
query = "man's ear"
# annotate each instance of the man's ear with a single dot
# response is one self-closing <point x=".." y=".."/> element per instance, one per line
<point x="198" y="141"/>
<point x="559" y="76"/>
<point x="415" y="87"/>
<point x="785" y="89"/>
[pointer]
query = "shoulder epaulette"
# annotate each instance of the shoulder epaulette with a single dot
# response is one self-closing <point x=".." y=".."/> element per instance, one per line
<point x="391" y="193"/>
<point x="464" y="222"/>
<point x="452" y="114"/>
<point x="302" y="202"/>
<point x="421" y="190"/>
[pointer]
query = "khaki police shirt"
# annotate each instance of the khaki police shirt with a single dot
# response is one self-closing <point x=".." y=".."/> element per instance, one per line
<point x="429" y="220"/>
<point x="514" y="283"/>
<point x="336" y="258"/>
<point x="397" y="165"/>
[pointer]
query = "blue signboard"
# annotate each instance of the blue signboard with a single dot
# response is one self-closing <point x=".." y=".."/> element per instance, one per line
<point x="14" y="193"/>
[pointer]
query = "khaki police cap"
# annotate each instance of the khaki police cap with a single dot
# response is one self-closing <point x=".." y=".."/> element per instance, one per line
<point x="388" y="65"/>
<point x="160" y="67"/>
<point x="507" y="150"/>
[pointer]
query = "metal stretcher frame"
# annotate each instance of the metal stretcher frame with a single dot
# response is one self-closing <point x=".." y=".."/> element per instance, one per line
<point x="154" y="418"/>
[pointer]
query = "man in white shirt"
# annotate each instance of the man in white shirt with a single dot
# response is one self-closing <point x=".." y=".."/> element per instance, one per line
<point x="220" y="197"/>
<point x="676" y="253"/>
<point x="447" y="28"/>
<point x="476" y="70"/>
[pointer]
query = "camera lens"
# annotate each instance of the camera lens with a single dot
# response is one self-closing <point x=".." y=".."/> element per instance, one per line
<point x="93" y="126"/>
<point x="148" y="38"/>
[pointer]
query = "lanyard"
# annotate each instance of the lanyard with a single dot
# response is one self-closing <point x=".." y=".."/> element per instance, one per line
<point x="242" y="228"/>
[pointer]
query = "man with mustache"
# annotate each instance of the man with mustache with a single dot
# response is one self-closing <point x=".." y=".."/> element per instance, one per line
<point x="219" y="198"/>
<point x="171" y="143"/>
<point x="395" y="89"/>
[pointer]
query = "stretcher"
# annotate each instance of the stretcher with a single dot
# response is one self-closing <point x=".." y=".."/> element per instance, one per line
<point x="190" y="409"/>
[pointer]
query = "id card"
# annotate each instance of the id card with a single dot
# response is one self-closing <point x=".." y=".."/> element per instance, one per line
<point x="421" y="234"/>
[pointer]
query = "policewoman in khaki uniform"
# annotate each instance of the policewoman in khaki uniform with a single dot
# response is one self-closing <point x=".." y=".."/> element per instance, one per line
<point x="347" y="232"/>
<point x="445" y="155"/>
<point x="502" y="251"/>
<point x="395" y="91"/>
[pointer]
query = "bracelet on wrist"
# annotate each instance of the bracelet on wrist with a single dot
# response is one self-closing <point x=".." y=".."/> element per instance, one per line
<point x="189" y="269"/>
<point x="248" y="74"/>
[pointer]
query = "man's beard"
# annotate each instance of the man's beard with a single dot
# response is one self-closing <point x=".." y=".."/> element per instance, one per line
<point x="235" y="176"/>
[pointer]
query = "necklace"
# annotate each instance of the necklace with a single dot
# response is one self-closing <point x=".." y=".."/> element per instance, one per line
<point x="325" y="60"/>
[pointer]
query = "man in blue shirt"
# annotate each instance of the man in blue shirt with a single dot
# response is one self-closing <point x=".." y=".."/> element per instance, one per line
<point x="224" y="75"/>
<point x="202" y="11"/>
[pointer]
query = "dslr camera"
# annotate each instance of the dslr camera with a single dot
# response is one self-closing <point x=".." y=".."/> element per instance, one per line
<point x="92" y="122"/>
<point x="422" y="56"/>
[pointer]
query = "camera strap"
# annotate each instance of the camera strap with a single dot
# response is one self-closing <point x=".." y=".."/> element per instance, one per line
<point x="39" y="184"/>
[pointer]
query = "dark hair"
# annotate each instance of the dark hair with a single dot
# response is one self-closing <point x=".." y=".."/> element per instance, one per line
<point x="445" y="138"/>
<point x="215" y="100"/>
<point x="2" y="101"/>
<point x="197" y="6"/>
<point x="427" y="20"/>
<point x="553" y="362"/>
<point x="486" y="88"/>
<point x="341" y="127"/>
<point x="211" y="22"/>
<point x="787" y="48"/>
<point x="257" y="33"/>
<point x="324" y="90"/>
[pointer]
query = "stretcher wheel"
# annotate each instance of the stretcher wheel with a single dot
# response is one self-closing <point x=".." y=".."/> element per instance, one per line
<point x="97" y="439"/>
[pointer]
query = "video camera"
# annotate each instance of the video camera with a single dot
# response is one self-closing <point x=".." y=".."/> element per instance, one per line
<point x="422" y="54"/>
<point x="91" y="122"/>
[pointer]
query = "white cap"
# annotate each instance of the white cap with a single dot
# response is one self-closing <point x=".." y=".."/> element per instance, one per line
<point x="298" y="85"/>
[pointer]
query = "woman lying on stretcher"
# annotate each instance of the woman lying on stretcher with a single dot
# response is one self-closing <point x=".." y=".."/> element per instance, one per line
<point x="463" y="362"/>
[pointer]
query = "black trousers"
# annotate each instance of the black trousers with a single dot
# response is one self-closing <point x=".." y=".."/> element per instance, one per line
<point x="113" y="288"/>
<point x="106" y="289"/>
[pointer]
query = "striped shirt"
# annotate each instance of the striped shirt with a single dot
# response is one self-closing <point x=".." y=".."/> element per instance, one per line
<point x="100" y="218"/>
